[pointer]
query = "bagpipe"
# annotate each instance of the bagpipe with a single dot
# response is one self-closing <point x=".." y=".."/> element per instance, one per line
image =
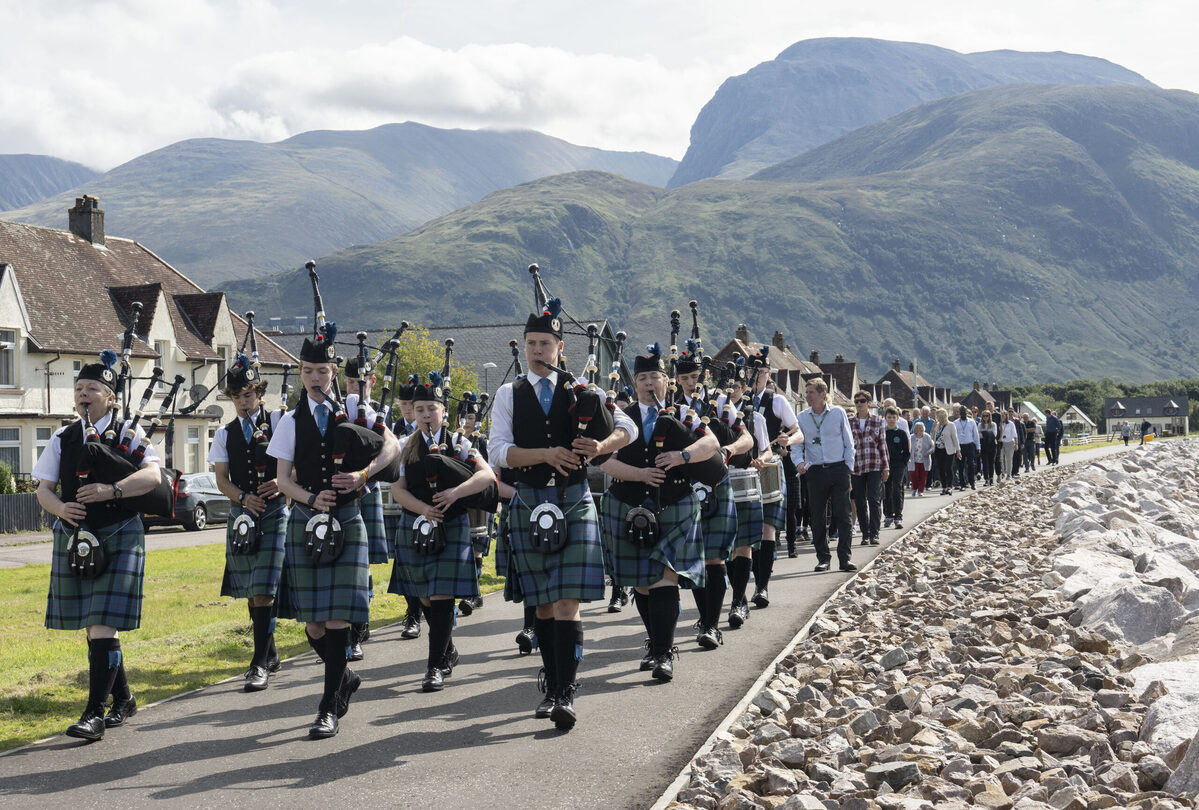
<point x="247" y="531"/>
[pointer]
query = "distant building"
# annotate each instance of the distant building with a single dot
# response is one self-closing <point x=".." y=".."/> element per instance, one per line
<point x="787" y="369"/>
<point x="1075" y="421"/>
<point x="909" y="389"/>
<point x="1169" y="416"/>
<point x="983" y="394"/>
<point x="1027" y="407"/>
<point x="66" y="295"/>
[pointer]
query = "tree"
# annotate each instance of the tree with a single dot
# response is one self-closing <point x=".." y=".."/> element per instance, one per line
<point x="419" y="354"/>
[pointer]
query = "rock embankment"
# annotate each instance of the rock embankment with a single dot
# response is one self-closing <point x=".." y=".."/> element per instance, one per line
<point x="953" y="673"/>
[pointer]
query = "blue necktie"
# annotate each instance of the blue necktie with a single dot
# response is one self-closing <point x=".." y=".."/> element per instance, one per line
<point x="545" y="395"/>
<point x="651" y="419"/>
<point x="245" y="430"/>
<point x="322" y="418"/>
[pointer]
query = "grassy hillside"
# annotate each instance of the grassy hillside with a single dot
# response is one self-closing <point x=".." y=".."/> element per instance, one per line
<point x="1014" y="233"/>
<point x="26" y="179"/>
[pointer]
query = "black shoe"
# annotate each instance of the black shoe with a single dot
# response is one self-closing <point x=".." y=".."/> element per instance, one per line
<point x="664" y="668"/>
<point x="257" y="679"/>
<point x="449" y="662"/>
<point x="874" y="540"/>
<point x="739" y="614"/>
<point x="324" y="726"/>
<point x="620" y="598"/>
<point x="803" y="536"/>
<point x="709" y="638"/>
<point x="564" y="715"/>
<point x="349" y="685"/>
<point x="898" y="525"/>
<point x="433" y="682"/>
<point x="476" y="602"/>
<point x="821" y="567"/>
<point x="792" y="551"/>
<point x="848" y="567"/>
<point x="273" y="664"/>
<point x="648" y="662"/>
<point x="356" y="653"/>
<point x="865" y="540"/>
<point x="465" y="608"/>
<point x="121" y="711"/>
<point x="90" y="726"/>
<point x="525" y="639"/>
<point x="761" y="598"/>
<point x="411" y="627"/>
<point x="550" y="690"/>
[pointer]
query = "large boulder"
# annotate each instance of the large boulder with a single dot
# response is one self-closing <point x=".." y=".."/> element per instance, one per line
<point x="1136" y="611"/>
<point x="1174" y="718"/>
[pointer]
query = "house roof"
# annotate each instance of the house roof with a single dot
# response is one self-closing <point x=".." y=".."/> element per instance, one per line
<point x="63" y="275"/>
<point x="1075" y="411"/>
<point x="1033" y="409"/>
<point x="844" y="374"/>
<point x="1130" y="406"/>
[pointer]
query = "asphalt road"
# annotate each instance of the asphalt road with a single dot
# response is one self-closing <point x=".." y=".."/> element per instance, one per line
<point x="476" y="744"/>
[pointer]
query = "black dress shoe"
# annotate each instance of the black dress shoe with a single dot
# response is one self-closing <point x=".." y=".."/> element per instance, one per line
<point x="564" y="715"/>
<point x="356" y="653"/>
<point x="709" y="638"/>
<point x="821" y="567"/>
<point x="664" y="668"/>
<point x="848" y="567"/>
<point x="465" y="608"/>
<point x="411" y="627"/>
<point x="90" y="726"/>
<point x="739" y="614"/>
<point x="433" y="682"/>
<point x="761" y="597"/>
<point x="792" y="551"/>
<point x="525" y="639"/>
<point x="273" y="664"/>
<point x="619" y="599"/>
<point x="449" y="661"/>
<point x="548" y="688"/>
<point x="324" y="726"/>
<point x="120" y="711"/>
<point x="349" y="685"/>
<point x="649" y="660"/>
<point x="257" y="679"/>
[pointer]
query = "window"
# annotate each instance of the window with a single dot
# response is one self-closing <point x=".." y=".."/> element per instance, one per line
<point x="222" y="364"/>
<point x="1149" y="412"/>
<point x="77" y="366"/>
<point x="10" y="448"/>
<point x="163" y="348"/>
<point x="8" y="354"/>
<point x="193" y="450"/>
<point x="41" y="440"/>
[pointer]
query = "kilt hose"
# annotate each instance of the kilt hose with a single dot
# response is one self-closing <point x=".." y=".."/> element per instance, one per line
<point x="576" y="571"/>
<point x="257" y="574"/>
<point x="338" y="590"/>
<point x="450" y="572"/>
<point x="115" y="597"/>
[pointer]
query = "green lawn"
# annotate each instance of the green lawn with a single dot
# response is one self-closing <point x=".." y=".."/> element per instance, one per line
<point x="190" y="637"/>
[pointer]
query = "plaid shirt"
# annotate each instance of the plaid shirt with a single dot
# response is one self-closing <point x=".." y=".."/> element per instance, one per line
<point x="870" y="445"/>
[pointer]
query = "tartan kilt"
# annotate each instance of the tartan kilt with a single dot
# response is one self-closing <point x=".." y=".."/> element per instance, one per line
<point x="376" y="531"/>
<point x="451" y="572"/>
<point x="775" y="514"/>
<point x="719" y="532"/>
<point x="482" y="545"/>
<point x="115" y="597"/>
<point x="679" y="547"/>
<point x="505" y="563"/>
<point x="257" y="574"/>
<point x="576" y="571"/>
<point x="749" y="524"/>
<point x="339" y="590"/>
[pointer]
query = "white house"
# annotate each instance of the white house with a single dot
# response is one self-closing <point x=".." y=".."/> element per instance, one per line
<point x="1075" y="421"/>
<point x="66" y="294"/>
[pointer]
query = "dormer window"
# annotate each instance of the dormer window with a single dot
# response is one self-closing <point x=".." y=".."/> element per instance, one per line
<point x="8" y="358"/>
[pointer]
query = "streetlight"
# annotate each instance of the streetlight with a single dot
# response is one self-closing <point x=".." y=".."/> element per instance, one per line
<point x="486" y="368"/>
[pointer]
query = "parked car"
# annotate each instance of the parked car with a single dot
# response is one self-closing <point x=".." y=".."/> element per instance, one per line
<point x="198" y="504"/>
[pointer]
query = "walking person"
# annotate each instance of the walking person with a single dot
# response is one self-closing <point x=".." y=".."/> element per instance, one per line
<point x="1053" y="437"/>
<point x="922" y="459"/>
<point x="899" y="452"/>
<point x="826" y="456"/>
<point x="945" y="450"/>
<point x="1029" y="426"/>
<point x="968" y="438"/>
<point x="1126" y="433"/>
<point x="1146" y="429"/>
<point x="988" y="436"/>
<point x="871" y="466"/>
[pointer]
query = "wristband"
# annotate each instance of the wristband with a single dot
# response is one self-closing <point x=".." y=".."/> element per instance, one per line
<point x="312" y="499"/>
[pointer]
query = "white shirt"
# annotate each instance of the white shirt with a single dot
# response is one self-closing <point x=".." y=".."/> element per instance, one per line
<point x="1009" y="432"/>
<point x="462" y="447"/>
<point x="50" y="461"/>
<point x="782" y="410"/>
<point x="283" y="442"/>
<point x="218" y="451"/>
<point x="968" y="432"/>
<point x="501" y="439"/>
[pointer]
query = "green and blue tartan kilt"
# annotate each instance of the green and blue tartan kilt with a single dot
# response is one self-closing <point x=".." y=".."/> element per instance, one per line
<point x="719" y="532"/>
<point x="257" y="574"/>
<point x="482" y="544"/>
<point x="115" y="597"/>
<point x="505" y="563"/>
<point x="339" y="590"/>
<point x="749" y="524"/>
<point x="372" y="515"/>
<point x="679" y="547"/>
<point x="576" y="571"/>
<point x="775" y="514"/>
<point x="450" y="572"/>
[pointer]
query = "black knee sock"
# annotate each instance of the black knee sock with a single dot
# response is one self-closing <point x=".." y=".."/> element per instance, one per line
<point x="642" y="602"/>
<point x="715" y="590"/>
<point x="764" y="564"/>
<point x="544" y="628"/>
<point x="414" y="607"/>
<point x="103" y="662"/>
<point x="568" y="650"/>
<point x="478" y="567"/>
<point x="335" y="642"/>
<point x="261" y="617"/>
<point x="664" y="617"/>
<point x="440" y="614"/>
<point x="739" y="577"/>
<point x="317" y="644"/>
<point x="701" y="603"/>
<point x="530" y="616"/>
<point x="272" y="653"/>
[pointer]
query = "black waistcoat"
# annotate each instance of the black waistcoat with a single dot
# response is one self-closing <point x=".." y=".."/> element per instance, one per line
<point x="314" y="454"/>
<point x="532" y="427"/>
<point x="741" y="460"/>
<point x="638" y="454"/>
<point x="242" y="456"/>
<point x="100" y="514"/>
<point x="418" y="484"/>
<point x="774" y="425"/>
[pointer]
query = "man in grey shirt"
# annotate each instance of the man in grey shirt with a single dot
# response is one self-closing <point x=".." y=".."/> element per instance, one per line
<point x="826" y="457"/>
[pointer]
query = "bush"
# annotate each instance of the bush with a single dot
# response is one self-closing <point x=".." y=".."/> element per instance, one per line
<point x="7" y="486"/>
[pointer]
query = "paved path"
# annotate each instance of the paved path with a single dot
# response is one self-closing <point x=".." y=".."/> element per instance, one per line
<point x="473" y="745"/>
<point x="34" y="548"/>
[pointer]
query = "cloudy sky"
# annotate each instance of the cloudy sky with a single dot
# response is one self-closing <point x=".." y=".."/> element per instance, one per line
<point x="104" y="81"/>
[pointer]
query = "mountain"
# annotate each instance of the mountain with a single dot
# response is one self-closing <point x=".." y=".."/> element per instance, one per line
<point x="26" y="179"/>
<point x="820" y="89"/>
<point x="220" y="209"/>
<point x="1015" y="233"/>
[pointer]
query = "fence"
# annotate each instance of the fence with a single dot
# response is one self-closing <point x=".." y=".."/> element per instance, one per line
<point x="20" y="513"/>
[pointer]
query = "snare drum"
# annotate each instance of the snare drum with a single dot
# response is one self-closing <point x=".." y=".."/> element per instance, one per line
<point x="480" y="523"/>
<point x="772" y="481"/>
<point x="598" y="481"/>
<point x="745" y="485"/>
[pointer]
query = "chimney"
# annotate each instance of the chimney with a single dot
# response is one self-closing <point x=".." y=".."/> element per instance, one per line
<point x="984" y="386"/>
<point x="976" y="385"/>
<point x="87" y="220"/>
<point x="743" y="333"/>
<point x="814" y="357"/>
<point x="912" y="366"/>
<point x="839" y="358"/>
<point x="778" y="341"/>
<point x="895" y="364"/>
